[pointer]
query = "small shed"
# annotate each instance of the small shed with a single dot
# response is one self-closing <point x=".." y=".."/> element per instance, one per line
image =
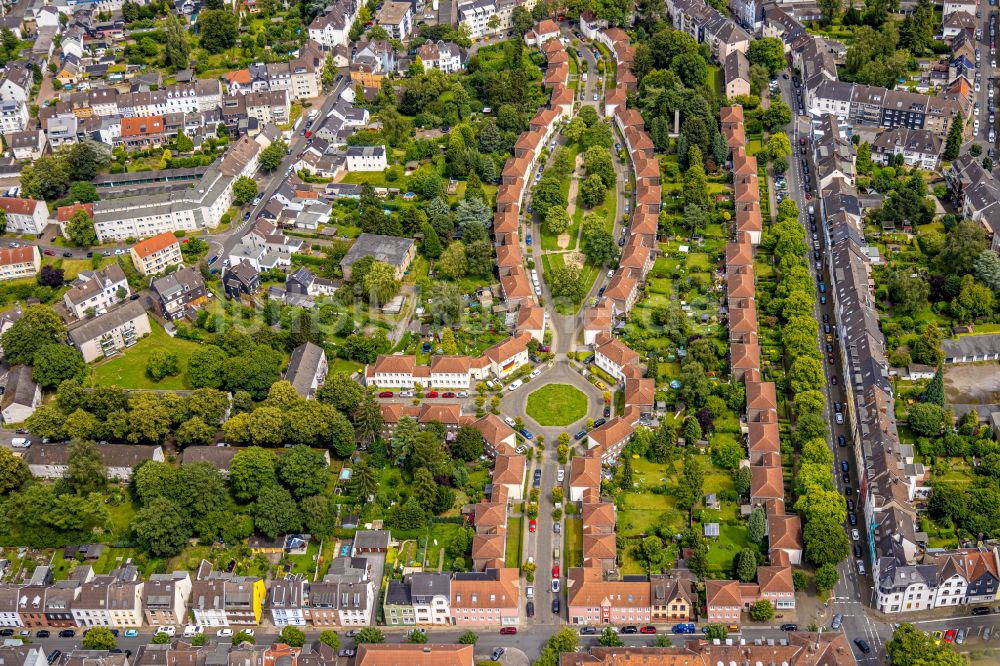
<point x="712" y="501"/>
<point x="712" y="530"/>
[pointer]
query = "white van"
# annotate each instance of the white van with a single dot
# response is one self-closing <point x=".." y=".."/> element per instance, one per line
<point x="193" y="630"/>
<point x="514" y="385"/>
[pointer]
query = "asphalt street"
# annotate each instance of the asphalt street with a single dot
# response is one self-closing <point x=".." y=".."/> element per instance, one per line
<point x="853" y="591"/>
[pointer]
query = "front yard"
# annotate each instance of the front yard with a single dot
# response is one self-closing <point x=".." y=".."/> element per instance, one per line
<point x="128" y="370"/>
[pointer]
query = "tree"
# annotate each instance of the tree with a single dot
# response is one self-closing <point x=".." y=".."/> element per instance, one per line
<point x="953" y="144"/>
<point x="276" y="512"/>
<point x="341" y="391"/>
<point x="244" y="190"/>
<point x="727" y="454"/>
<point x="756" y="525"/>
<point x="689" y="488"/>
<point x="271" y="157"/>
<point x="160" y="528"/>
<point x="825" y="541"/>
<point x="720" y="149"/>
<point x="99" y="638"/>
<point x="599" y="246"/>
<point x="746" y="566"/>
<point x="597" y="161"/>
<point x="55" y="363"/>
<point x="241" y="637"/>
<point x="769" y="52"/>
<point x="468" y="444"/>
<point x="363" y="483"/>
<point x="50" y="276"/>
<point x="252" y="470"/>
<point x="715" y="632"/>
<point x="303" y="471"/>
<point x="762" y="610"/>
<point x="925" y="419"/>
<point x="557" y="220"/>
<point x="86" y="472"/>
<point x="778" y="145"/>
<point x="177" y="50"/>
<point x="183" y="143"/>
<point x="369" y="635"/>
<point x="48" y="177"/>
<point x="14" y="472"/>
<point x="926" y="349"/>
<point x="912" y="647"/>
<point x="453" y="263"/>
<point x="934" y="393"/>
<point x="610" y="638"/>
<point x="806" y="374"/>
<point x="218" y="29"/>
<point x="162" y="363"/>
<point x="160" y="639"/>
<point x="565" y="282"/>
<point x="292" y="636"/>
<point x="80" y="229"/>
<point x="826" y="577"/>
<point x="468" y="638"/>
<point x="329" y="638"/>
<point x="548" y="194"/>
<point x="908" y="292"/>
<point x="777" y="115"/>
<point x="592" y="192"/>
<point x="695" y="182"/>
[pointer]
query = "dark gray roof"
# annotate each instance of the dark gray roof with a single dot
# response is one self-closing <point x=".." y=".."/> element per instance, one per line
<point x="372" y="539"/>
<point x="388" y="249"/>
<point x="20" y="387"/>
<point x="971" y="345"/>
<point x="107" y="322"/>
<point x="303" y="366"/>
<point x="425" y="586"/>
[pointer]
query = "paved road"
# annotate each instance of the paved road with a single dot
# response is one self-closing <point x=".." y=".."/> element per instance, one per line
<point x="853" y="591"/>
<point x="222" y="244"/>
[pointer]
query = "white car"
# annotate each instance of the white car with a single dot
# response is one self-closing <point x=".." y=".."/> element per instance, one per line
<point x="975" y="109"/>
<point x="555" y="585"/>
<point x="169" y="631"/>
<point x="538" y="290"/>
<point x="514" y="385"/>
<point x="521" y="450"/>
<point x="560" y="475"/>
<point x="406" y="394"/>
<point x="462" y="394"/>
<point x="855" y="535"/>
<point x="224" y="633"/>
<point x="509" y="421"/>
<point x="977" y="87"/>
<point x="535" y="373"/>
<point x="611" y="273"/>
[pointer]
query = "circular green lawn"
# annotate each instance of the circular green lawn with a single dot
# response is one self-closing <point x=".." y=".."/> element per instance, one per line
<point x="557" y="405"/>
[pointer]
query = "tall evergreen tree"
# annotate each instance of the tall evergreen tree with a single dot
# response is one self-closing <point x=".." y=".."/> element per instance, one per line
<point x="954" y="143"/>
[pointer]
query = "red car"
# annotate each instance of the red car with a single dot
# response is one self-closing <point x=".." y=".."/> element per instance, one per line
<point x="648" y="629"/>
<point x="431" y="394"/>
<point x="51" y="253"/>
<point x="555" y="571"/>
<point x="449" y="394"/>
<point x="508" y="630"/>
<point x="385" y="394"/>
<point x="532" y="525"/>
<point x="950" y="636"/>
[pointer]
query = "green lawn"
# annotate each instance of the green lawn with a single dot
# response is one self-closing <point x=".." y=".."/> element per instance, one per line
<point x="557" y="405"/>
<point x="573" y="549"/>
<point x="513" y="555"/>
<point x="128" y="370"/>
<point x="732" y="539"/>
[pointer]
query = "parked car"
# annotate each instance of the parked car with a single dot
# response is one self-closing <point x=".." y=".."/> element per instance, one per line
<point x="555" y="585"/>
<point x="431" y="394"/>
<point x="45" y="633"/>
<point x="684" y="628"/>
<point x="529" y="608"/>
<point x="54" y="655"/>
<point x="789" y="627"/>
<point x="67" y="633"/>
<point x="508" y="630"/>
<point x="648" y="629"/>
<point x="863" y="645"/>
<point x="838" y="619"/>
<point x="629" y="629"/>
<point x="532" y="525"/>
<point x="385" y="394"/>
<point x="497" y="653"/>
<point x="555" y="571"/>
<point x="555" y="606"/>
<point x="588" y="631"/>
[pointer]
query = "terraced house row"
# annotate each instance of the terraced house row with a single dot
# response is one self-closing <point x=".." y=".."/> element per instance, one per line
<point x="908" y="577"/>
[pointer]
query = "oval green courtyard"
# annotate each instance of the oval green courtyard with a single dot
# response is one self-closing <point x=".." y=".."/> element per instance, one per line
<point x="557" y="405"/>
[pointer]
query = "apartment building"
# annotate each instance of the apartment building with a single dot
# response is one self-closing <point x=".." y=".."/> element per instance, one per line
<point x="112" y="332"/>
<point x="288" y="601"/>
<point x="198" y="207"/>
<point x="485" y="598"/>
<point x="25" y="216"/>
<point x="155" y="254"/>
<point x="94" y="292"/>
<point x="165" y="598"/>
<point x="178" y="294"/>
<point x="113" y="600"/>
<point x="332" y="28"/>
<point x="51" y="461"/>
<point x="346" y="595"/>
<point x="593" y="601"/>
<point x="307" y="369"/>
<point x="399" y="371"/>
<point x="421" y="598"/>
<point x="366" y="158"/>
<point x="22" y="397"/>
<point x="396" y="17"/>
<point x="445" y="56"/>
<point x="222" y="599"/>
<point x="19" y="262"/>
<point x="615" y="357"/>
